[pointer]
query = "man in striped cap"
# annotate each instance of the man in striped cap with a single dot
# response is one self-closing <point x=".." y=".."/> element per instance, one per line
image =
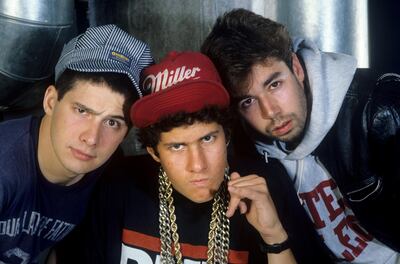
<point x="48" y="165"/>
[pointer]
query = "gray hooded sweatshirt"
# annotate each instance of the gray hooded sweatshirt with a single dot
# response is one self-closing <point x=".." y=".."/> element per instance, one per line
<point x="329" y="76"/>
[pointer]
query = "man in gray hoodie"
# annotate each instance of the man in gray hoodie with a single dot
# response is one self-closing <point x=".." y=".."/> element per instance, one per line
<point x="336" y="133"/>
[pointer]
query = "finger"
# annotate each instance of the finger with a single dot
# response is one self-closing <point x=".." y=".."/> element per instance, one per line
<point x="250" y="192"/>
<point x="233" y="204"/>
<point x="242" y="207"/>
<point x="244" y="191"/>
<point x="247" y="180"/>
<point x="235" y="175"/>
<point x="253" y="185"/>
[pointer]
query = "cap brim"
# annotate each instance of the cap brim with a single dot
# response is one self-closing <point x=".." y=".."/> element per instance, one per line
<point x="149" y="109"/>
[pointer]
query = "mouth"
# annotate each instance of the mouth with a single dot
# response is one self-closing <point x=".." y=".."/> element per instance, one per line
<point x="283" y="129"/>
<point x="80" y="155"/>
<point x="200" y="182"/>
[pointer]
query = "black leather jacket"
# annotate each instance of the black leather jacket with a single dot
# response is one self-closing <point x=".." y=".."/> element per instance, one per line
<point x="362" y="153"/>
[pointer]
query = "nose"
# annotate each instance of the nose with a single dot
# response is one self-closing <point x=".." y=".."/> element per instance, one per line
<point x="90" y="134"/>
<point x="197" y="160"/>
<point x="268" y="107"/>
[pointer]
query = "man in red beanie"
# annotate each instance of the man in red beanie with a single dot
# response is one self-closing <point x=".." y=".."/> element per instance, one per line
<point x="189" y="212"/>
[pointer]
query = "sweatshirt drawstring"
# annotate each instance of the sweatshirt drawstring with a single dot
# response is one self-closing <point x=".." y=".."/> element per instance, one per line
<point x="299" y="175"/>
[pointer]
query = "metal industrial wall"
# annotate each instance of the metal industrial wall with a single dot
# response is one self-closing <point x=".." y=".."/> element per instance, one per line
<point x="183" y="24"/>
<point x="34" y="30"/>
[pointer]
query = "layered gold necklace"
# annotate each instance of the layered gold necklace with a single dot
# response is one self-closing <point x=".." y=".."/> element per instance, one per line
<point x="218" y="235"/>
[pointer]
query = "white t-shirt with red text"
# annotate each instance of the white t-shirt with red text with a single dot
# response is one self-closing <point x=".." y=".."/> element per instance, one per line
<point x="332" y="218"/>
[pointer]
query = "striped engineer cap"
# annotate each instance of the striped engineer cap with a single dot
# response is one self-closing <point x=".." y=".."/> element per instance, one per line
<point x="106" y="49"/>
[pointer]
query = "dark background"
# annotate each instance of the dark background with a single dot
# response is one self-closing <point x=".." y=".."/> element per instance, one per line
<point x="384" y="29"/>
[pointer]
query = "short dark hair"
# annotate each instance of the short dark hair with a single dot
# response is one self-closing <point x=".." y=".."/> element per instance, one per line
<point x="240" y="39"/>
<point x="118" y="82"/>
<point x="150" y="136"/>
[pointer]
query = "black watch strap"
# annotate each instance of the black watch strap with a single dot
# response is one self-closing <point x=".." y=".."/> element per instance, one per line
<point x="275" y="248"/>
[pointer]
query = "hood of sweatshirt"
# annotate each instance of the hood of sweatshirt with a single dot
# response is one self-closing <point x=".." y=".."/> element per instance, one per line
<point x="329" y="76"/>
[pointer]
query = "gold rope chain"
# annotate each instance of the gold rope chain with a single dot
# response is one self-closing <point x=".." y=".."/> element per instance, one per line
<point x="218" y="235"/>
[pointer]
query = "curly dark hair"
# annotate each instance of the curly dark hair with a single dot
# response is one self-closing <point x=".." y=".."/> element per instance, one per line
<point x="240" y="39"/>
<point x="150" y="136"/>
<point x="118" y="82"/>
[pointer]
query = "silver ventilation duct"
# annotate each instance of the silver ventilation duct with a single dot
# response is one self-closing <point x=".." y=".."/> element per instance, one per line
<point x="339" y="26"/>
<point x="32" y="33"/>
<point x="336" y="26"/>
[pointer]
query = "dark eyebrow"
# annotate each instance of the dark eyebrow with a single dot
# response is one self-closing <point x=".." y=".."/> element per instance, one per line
<point x="169" y="144"/>
<point x="173" y="143"/>
<point x="271" y="78"/>
<point x="210" y="134"/>
<point x="92" y="112"/>
<point x="118" y="117"/>
<point x="236" y="99"/>
<point x="87" y="109"/>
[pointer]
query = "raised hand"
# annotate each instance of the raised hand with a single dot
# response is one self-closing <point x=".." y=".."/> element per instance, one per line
<point x="250" y="195"/>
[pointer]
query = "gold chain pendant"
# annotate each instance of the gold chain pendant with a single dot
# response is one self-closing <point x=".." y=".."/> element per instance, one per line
<point x="218" y="235"/>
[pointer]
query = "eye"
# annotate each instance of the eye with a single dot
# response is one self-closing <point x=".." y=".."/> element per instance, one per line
<point x="176" y="147"/>
<point x="208" y="138"/>
<point x="275" y="85"/>
<point x="246" y="103"/>
<point x="113" y="123"/>
<point x="80" y="110"/>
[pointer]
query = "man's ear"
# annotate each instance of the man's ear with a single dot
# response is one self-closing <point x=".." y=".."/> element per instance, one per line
<point x="49" y="100"/>
<point x="153" y="154"/>
<point x="297" y="68"/>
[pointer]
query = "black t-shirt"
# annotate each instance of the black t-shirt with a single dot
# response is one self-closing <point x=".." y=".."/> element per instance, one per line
<point x="122" y="225"/>
<point x="34" y="213"/>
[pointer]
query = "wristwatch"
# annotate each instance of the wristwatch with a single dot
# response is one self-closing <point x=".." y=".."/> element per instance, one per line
<point x="275" y="248"/>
